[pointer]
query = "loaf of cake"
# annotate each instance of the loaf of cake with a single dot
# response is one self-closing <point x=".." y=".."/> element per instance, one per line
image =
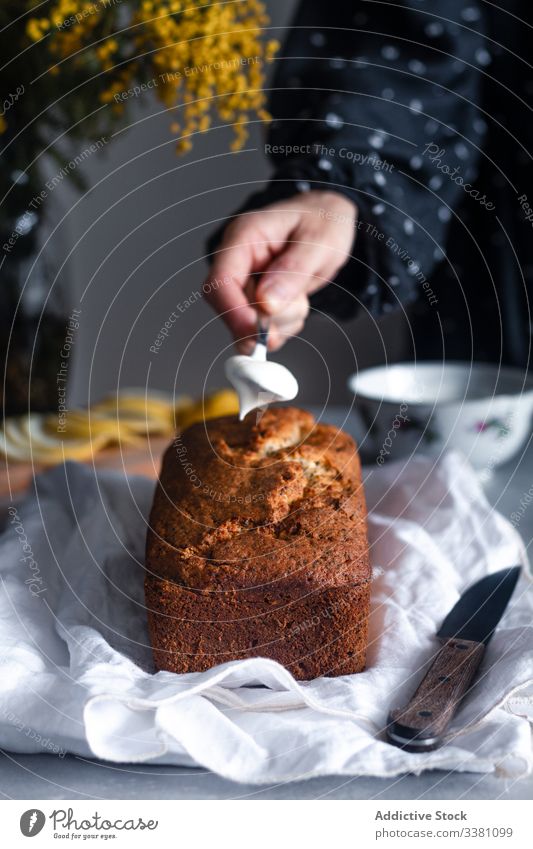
<point x="257" y="547"/>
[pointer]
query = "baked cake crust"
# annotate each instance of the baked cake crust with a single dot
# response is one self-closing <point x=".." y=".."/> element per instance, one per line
<point x="257" y="546"/>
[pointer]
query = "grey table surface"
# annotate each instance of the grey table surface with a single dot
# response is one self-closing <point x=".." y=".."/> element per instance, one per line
<point x="50" y="777"/>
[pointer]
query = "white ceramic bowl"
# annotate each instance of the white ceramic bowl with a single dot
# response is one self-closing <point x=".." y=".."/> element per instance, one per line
<point x="481" y="409"/>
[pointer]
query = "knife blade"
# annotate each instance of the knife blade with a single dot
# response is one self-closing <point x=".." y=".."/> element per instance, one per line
<point x="464" y="636"/>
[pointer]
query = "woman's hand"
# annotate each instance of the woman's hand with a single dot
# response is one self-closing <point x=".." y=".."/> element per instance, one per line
<point x="297" y="246"/>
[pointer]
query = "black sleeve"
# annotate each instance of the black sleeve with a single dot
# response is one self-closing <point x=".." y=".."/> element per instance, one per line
<point x="377" y="100"/>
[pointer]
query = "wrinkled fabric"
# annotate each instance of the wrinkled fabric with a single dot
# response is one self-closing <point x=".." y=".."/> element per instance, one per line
<point x="76" y="667"/>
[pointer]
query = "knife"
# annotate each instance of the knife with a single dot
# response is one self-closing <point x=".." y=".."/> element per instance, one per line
<point x="464" y="635"/>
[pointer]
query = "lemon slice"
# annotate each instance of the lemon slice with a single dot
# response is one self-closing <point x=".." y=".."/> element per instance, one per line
<point x="225" y="402"/>
<point x="126" y="418"/>
<point x="25" y="439"/>
<point x="144" y="414"/>
<point x="11" y="447"/>
<point x="222" y="403"/>
<point x="157" y="404"/>
<point x="13" y="431"/>
<point x="83" y="424"/>
<point x="69" y="439"/>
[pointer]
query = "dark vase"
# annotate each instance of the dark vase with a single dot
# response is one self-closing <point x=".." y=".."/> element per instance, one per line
<point x="33" y="305"/>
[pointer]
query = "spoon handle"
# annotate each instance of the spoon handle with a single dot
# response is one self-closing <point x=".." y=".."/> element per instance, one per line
<point x="262" y="330"/>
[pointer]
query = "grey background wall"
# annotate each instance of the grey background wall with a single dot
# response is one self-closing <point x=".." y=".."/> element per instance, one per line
<point x="138" y="246"/>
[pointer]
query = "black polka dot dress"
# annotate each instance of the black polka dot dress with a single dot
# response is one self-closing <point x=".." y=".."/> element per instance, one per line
<point x="420" y="112"/>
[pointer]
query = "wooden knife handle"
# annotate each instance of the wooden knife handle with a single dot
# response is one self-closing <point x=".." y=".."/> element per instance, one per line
<point x="420" y="726"/>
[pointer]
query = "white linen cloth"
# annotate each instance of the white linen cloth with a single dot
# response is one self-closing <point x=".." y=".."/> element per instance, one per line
<point x="76" y="672"/>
